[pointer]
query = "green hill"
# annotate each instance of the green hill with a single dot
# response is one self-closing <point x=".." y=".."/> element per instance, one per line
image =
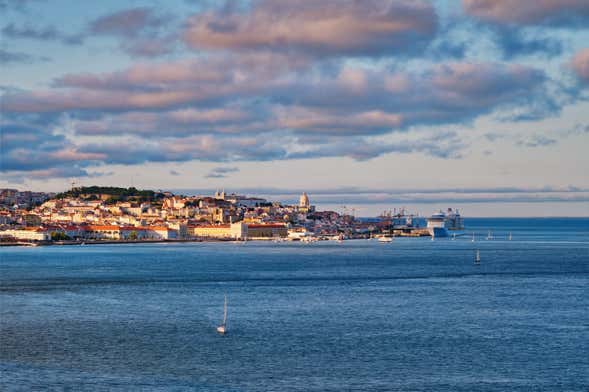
<point x="111" y="194"/>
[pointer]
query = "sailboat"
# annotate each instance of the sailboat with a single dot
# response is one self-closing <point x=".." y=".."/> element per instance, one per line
<point x="477" y="257"/>
<point x="489" y="235"/>
<point x="472" y="237"/>
<point x="222" y="329"/>
<point x="510" y="236"/>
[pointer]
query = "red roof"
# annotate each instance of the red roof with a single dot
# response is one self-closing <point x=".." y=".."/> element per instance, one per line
<point x="103" y="227"/>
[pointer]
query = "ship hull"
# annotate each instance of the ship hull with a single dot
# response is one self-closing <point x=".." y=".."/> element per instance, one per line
<point x="441" y="232"/>
<point x="438" y="232"/>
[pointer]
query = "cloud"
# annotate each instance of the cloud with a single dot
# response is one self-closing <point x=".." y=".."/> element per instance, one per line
<point x="536" y="141"/>
<point x="334" y="28"/>
<point x="141" y="31"/>
<point x="578" y="129"/>
<point x="17" y="5"/>
<point x="354" y="195"/>
<point x="443" y="94"/>
<point x="159" y="86"/>
<point x="290" y="96"/>
<point x="221" y="172"/>
<point x="566" y="13"/>
<point x="127" y="23"/>
<point x="492" y="136"/>
<point x="8" y="57"/>
<point x="580" y="65"/>
<point x="523" y="28"/>
<point x="48" y="33"/>
<point x="255" y="105"/>
<point x="517" y="43"/>
<point x="308" y="120"/>
<point x="181" y="122"/>
<point x="149" y="46"/>
<point x="444" y="145"/>
<point x="190" y="111"/>
<point x="33" y="153"/>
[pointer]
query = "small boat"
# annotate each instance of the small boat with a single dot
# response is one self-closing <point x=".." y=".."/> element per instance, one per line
<point x="510" y="236"/>
<point x="222" y="329"/>
<point x="385" y="239"/>
<point x="489" y="235"/>
<point x="472" y="237"/>
<point x="453" y="236"/>
<point x="477" y="257"/>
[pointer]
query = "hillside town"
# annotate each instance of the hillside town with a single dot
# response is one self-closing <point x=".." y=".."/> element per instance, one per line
<point x="99" y="214"/>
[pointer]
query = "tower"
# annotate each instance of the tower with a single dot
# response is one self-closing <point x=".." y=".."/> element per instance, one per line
<point x="304" y="201"/>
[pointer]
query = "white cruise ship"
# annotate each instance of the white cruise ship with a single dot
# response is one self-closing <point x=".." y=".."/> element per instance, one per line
<point x="442" y="224"/>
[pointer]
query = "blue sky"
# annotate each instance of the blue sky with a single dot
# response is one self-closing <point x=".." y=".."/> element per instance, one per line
<point x="480" y="104"/>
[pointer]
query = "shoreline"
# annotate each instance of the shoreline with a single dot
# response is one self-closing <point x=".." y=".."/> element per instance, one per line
<point x="106" y="242"/>
<point x="122" y="242"/>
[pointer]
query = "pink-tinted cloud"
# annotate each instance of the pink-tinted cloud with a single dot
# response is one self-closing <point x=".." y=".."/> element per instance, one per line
<point x="245" y="98"/>
<point x="529" y="12"/>
<point x="162" y="86"/>
<point x="50" y="101"/>
<point x="329" y="27"/>
<point x="308" y="120"/>
<point x="212" y="70"/>
<point x="179" y="122"/>
<point x="445" y="93"/>
<point x="141" y="31"/>
<point x="580" y="64"/>
<point x="146" y="76"/>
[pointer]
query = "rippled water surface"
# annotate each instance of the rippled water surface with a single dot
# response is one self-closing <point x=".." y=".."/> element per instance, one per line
<point x="412" y="315"/>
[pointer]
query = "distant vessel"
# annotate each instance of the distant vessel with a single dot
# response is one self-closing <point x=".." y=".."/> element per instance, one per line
<point x="489" y="235"/>
<point x="510" y="236"/>
<point x="222" y="329"/>
<point x="385" y="239"/>
<point x="440" y="223"/>
<point x="477" y="257"/>
<point x="472" y="237"/>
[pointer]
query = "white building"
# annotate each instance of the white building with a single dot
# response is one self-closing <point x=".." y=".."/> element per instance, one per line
<point x="36" y="234"/>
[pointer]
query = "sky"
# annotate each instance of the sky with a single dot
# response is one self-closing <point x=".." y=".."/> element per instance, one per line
<point x="481" y="105"/>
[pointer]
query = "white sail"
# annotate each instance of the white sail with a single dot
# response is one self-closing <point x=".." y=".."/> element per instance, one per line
<point x="222" y="329"/>
<point x="477" y="258"/>
<point x="225" y="311"/>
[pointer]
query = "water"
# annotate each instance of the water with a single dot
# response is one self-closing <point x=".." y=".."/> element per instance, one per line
<point x="412" y="315"/>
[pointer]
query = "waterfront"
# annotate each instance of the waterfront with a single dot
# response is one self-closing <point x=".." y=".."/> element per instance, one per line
<point x="412" y="315"/>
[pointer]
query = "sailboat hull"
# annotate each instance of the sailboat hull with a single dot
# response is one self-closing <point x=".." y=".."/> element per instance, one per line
<point x="221" y="330"/>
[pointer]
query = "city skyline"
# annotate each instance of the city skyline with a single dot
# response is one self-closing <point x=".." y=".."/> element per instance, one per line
<point x="477" y="105"/>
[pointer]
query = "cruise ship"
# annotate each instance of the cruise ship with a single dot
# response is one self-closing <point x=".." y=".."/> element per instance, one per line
<point x="444" y="224"/>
